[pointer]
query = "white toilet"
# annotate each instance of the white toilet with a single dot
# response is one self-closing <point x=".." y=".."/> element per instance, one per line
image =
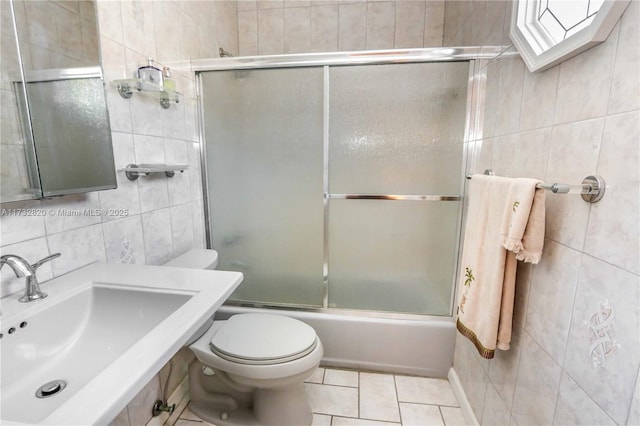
<point x="250" y="369"/>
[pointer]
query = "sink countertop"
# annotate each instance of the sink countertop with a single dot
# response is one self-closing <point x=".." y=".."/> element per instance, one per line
<point x="113" y="388"/>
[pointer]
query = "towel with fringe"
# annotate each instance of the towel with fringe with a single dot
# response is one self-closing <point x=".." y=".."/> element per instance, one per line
<point x="505" y="223"/>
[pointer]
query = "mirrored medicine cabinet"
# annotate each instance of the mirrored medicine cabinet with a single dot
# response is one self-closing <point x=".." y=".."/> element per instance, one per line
<point x="55" y="134"/>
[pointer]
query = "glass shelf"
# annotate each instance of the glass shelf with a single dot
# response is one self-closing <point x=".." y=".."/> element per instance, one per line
<point x="166" y="97"/>
<point x="134" y="171"/>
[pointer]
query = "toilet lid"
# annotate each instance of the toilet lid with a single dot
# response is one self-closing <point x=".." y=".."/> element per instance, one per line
<point x="263" y="339"/>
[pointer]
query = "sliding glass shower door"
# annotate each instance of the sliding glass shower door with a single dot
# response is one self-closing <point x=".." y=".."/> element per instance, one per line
<point x="338" y="186"/>
<point x="395" y="130"/>
<point x="263" y="132"/>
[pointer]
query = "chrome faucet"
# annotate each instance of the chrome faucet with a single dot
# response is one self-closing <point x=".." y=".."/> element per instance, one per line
<point x="22" y="268"/>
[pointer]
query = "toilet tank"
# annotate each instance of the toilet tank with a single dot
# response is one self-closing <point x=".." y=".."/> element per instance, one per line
<point x="195" y="259"/>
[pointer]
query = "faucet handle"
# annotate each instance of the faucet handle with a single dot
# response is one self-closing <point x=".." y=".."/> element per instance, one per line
<point x="45" y="260"/>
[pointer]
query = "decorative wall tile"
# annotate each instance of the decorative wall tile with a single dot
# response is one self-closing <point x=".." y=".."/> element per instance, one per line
<point x="553" y="287"/>
<point x="138" y="26"/>
<point x="575" y="407"/>
<point x="124" y="241"/>
<point x="605" y="314"/>
<point x="537" y="386"/>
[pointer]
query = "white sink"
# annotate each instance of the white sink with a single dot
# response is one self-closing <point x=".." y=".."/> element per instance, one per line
<point x="103" y="332"/>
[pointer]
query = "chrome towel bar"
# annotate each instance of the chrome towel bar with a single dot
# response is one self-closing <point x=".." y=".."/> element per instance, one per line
<point x="591" y="189"/>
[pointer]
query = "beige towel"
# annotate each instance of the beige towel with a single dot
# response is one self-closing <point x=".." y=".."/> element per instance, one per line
<point x="502" y="212"/>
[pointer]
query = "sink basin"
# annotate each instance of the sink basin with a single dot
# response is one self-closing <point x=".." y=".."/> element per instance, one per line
<point x="102" y="333"/>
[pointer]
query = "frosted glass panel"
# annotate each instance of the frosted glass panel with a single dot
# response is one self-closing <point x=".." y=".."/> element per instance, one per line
<point x="395" y="256"/>
<point x="397" y="129"/>
<point x="71" y="135"/>
<point x="264" y="164"/>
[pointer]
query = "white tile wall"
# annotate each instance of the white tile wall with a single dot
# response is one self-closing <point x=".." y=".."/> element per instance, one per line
<point x="276" y="27"/>
<point x="578" y="118"/>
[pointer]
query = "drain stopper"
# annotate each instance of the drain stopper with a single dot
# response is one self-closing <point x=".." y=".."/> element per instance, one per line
<point x="50" y="388"/>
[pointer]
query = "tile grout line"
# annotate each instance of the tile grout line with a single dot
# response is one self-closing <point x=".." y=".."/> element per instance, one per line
<point x="395" y="385"/>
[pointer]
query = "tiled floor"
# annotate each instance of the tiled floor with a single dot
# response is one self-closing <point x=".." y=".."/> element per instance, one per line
<point x="351" y="398"/>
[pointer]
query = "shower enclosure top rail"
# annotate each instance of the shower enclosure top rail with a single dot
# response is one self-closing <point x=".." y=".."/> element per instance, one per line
<point x="434" y="54"/>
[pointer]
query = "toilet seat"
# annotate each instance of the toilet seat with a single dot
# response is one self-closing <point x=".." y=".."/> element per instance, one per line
<point x="263" y="339"/>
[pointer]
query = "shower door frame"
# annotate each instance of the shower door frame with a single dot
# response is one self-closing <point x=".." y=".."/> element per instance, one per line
<point x="477" y="58"/>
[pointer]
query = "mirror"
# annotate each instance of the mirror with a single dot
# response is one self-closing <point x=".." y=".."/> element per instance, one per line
<point x="547" y="32"/>
<point x="55" y="138"/>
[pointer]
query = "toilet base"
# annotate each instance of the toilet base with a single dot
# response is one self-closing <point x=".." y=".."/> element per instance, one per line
<point x="279" y="408"/>
<point x="286" y="406"/>
<point x="215" y="400"/>
<point x="210" y="413"/>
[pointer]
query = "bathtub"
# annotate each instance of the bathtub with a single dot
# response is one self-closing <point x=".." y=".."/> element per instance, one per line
<point x="422" y="347"/>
